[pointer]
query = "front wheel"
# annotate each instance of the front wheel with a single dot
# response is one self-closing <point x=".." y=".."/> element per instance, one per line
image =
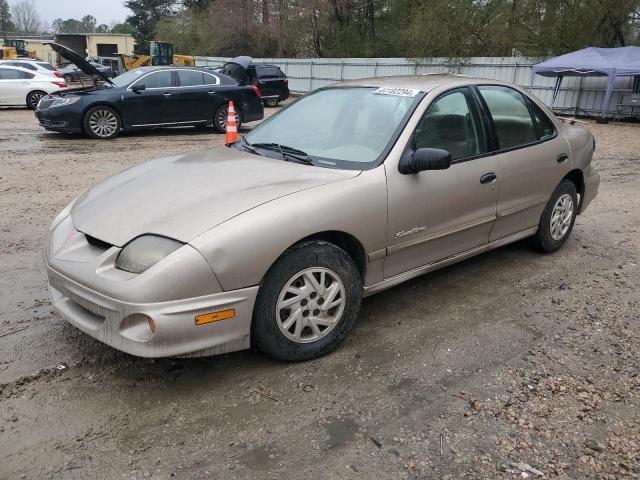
<point x="220" y="118"/>
<point x="102" y="122"/>
<point x="308" y="302"/>
<point x="34" y="98"/>
<point x="558" y="218"/>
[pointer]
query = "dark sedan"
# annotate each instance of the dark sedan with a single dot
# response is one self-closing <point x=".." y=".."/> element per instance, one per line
<point x="147" y="97"/>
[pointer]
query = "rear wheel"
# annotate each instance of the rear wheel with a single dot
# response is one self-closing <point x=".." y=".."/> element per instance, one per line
<point x="220" y="118"/>
<point x="102" y="122"/>
<point x="68" y="77"/>
<point x="308" y="302"/>
<point x="33" y="98"/>
<point x="558" y="218"/>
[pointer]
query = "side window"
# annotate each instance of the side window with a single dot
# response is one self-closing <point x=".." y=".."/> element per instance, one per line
<point x="160" y="79"/>
<point x="452" y="123"/>
<point x="10" y="74"/>
<point x="546" y="128"/>
<point x="511" y="116"/>
<point x="28" y="66"/>
<point x="190" y="78"/>
<point x="210" y="79"/>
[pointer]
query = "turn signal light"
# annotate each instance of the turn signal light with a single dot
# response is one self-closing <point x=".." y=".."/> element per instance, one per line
<point x="256" y="90"/>
<point x="215" y="316"/>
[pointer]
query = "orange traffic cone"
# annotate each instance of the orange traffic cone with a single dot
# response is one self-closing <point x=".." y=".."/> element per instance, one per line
<point x="232" y="128"/>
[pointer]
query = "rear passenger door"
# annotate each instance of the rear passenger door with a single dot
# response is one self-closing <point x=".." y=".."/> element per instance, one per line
<point x="193" y="102"/>
<point x="532" y="158"/>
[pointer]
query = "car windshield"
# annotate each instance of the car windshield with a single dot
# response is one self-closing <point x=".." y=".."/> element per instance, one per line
<point x="340" y="127"/>
<point x="127" y="77"/>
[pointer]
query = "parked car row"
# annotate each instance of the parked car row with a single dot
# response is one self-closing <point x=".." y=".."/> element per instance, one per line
<point x="147" y="97"/>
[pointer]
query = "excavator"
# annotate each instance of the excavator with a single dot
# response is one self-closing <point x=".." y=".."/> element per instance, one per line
<point x="8" y="53"/>
<point x="161" y="53"/>
<point x="14" y="48"/>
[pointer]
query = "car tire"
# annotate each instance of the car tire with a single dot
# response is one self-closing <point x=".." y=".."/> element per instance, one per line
<point x="313" y="325"/>
<point x="67" y="77"/>
<point x="271" y="102"/>
<point x="34" y="97"/>
<point x="102" y="122"/>
<point x="558" y="218"/>
<point x="220" y="118"/>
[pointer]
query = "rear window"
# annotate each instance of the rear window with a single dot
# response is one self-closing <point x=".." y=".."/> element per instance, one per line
<point x="47" y="66"/>
<point x="269" y="72"/>
<point x="28" y="66"/>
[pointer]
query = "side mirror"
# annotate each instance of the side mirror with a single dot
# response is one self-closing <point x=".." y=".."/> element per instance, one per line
<point x="425" y="159"/>
<point x="138" y="87"/>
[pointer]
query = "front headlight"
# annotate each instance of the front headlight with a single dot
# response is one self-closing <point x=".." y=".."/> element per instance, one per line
<point x="60" y="101"/>
<point x="144" y="252"/>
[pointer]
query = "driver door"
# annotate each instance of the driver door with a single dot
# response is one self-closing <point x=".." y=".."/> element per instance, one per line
<point x="153" y="105"/>
<point x="436" y="214"/>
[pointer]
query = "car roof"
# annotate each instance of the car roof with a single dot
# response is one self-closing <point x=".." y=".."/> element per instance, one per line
<point x="172" y="67"/>
<point x="425" y="83"/>
<point x="23" y="60"/>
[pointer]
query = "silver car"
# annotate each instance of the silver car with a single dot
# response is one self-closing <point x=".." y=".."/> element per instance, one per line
<point x="273" y="241"/>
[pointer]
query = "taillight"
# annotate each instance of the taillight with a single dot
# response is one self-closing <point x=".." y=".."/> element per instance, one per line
<point x="286" y="81"/>
<point x="60" y="84"/>
<point x="256" y="90"/>
<point x="57" y="74"/>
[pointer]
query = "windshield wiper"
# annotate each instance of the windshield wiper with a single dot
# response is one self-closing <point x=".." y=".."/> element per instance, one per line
<point x="288" y="153"/>
<point x="247" y="146"/>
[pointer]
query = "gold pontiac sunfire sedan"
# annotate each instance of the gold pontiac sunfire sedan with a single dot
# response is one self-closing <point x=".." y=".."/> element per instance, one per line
<point x="352" y="189"/>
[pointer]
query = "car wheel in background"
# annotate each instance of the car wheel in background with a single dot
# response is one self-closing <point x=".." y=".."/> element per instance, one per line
<point x="220" y="118"/>
<point x="307" y="303"/>
<point x="102" y="122"/>
<point x="271" y="102"/>
<point x="557" y="218"/>
<point x="68" y="77"/>
<point x="33" y="98"/>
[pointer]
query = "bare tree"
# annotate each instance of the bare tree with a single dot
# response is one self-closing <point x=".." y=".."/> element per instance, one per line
<point x="26" y="18"/>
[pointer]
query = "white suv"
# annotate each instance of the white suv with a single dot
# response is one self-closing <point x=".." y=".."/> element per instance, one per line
<point x="21" y="86"/>
<point x="33" y="65"/>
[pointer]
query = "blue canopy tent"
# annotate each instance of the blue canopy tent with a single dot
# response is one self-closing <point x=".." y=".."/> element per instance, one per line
<point x="592" y="61"/>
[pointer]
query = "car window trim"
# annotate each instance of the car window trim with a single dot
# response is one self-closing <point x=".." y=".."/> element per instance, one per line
<point x="411" y="144"/>
<point x="130" y="87"/>
<point x="492" y="124"/>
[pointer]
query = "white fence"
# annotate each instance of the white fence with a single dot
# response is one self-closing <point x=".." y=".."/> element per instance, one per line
<point x="581" y="96"/>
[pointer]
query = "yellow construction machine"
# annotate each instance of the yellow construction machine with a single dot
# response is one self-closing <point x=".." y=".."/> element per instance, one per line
<point x="8" y="53"/>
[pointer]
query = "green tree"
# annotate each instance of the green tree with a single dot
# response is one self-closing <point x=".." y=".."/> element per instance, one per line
<point x="6" y="25"/>
<point x="145" y="15"/>
<point x="122" y="28"/>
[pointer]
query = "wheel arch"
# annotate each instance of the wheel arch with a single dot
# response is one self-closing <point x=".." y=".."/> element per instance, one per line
<point x="343" y="240"/>
<point x="576" y="176"/>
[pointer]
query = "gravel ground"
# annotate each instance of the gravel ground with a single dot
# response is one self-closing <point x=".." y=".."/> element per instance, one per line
<point x="508" y="365"/>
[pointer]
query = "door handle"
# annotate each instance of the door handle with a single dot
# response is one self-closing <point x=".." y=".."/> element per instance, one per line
<point x="166" y="95"/>
<point x="563" y="157"/>
<point x="488" y="178"/>
<point x="211" y="92"/>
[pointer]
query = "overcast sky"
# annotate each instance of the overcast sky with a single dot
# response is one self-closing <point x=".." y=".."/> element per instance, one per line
<point x="105" y="11"/>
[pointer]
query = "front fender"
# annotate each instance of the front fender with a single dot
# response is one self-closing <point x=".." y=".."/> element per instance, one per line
<point x="241" y="250"/>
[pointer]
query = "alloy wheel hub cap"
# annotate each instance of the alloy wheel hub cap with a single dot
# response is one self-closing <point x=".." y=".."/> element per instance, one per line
<point x="310" y="305"/>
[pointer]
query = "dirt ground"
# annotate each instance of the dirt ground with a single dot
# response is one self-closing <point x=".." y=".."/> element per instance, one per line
<point x="508" y="365"/>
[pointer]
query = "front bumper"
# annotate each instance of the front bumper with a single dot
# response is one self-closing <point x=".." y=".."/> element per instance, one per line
<point x="114" y="306"/>
<point x="176" y="334"/>
<point x="58" y="121"/>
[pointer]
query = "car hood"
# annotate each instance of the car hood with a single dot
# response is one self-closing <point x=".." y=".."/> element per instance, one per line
<point x="185" y="195"/>
<point x="77" y="60"/>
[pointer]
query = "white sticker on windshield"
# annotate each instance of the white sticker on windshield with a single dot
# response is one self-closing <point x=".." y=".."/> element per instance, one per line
<point x="399" y="92"/>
